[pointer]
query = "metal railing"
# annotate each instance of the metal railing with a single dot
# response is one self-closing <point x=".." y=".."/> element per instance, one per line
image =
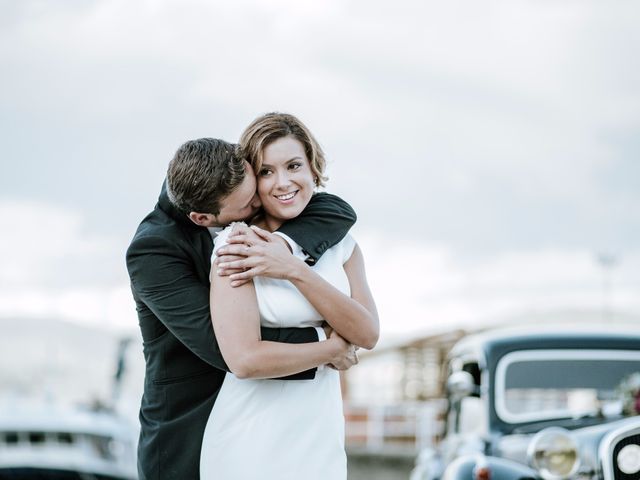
<point x="407" y="427"/>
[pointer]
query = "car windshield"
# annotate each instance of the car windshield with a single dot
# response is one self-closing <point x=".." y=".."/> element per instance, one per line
<point x="541" y="384"/>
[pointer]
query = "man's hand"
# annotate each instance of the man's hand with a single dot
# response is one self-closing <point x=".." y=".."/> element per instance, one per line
<point x="263" y="254"/>
<point x="346" y="356"/>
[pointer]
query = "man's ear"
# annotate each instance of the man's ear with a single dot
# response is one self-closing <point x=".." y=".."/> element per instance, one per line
<point x="203" y="219"/>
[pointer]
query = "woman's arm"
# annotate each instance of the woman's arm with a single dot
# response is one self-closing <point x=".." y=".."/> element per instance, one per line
<point x="355" y="318"/>
<point x="236" y="322"/>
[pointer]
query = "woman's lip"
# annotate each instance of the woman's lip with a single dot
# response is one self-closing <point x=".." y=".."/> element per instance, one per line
<point x="286" y="196"/>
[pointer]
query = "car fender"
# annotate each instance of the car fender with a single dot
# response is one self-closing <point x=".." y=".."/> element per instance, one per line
<point x="499" y="469"/>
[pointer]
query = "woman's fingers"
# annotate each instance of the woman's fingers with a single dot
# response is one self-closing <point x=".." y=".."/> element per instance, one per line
<point x="228" y="258"/>
<point x="263" y="234"/>
<point x="239" y="250"/>
<point x="249" y="239"/>
<point x="239" y="228"/>
<point x="244" y="235"/>
<point x="240" y="238"/>
<point x="241" y="278"/>
<point x="237" y="264"/>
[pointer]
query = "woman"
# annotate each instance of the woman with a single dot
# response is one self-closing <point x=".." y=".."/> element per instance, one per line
<point x="276" y="429"/>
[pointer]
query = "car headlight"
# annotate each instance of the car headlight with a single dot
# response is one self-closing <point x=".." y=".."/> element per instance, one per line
<point x="629" y="459"/>
<point x="554" y="453"/>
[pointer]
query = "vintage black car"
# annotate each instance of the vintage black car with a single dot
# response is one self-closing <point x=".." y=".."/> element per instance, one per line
<point x="541" y="404"/>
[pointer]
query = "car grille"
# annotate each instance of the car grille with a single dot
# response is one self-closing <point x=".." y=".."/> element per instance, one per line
<point x="611" y="446"/>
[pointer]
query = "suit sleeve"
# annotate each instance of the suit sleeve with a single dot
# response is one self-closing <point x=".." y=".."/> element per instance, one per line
<point x="166" y="283"/>
<point x="323" y="223"/>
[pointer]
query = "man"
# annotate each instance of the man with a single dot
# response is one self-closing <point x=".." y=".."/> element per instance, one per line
<point x="168" y="260"/>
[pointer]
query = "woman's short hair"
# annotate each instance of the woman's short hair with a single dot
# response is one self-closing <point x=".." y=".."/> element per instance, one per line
<point x="202" y="173"/>
<point x="268" y="128"/>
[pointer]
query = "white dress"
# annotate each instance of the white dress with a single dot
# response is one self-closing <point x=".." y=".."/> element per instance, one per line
<point x="281" y="429"/>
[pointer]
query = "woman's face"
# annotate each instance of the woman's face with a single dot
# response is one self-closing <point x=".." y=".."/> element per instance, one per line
<point x="285" y="180"/>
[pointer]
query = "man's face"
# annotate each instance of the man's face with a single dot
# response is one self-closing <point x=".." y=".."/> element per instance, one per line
<point x="241" y="204"/>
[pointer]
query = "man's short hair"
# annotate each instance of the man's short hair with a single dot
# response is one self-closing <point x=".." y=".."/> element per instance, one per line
<point x="202" y="173"/>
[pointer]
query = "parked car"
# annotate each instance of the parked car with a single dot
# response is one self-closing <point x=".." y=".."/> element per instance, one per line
<point x="536" y="404"/>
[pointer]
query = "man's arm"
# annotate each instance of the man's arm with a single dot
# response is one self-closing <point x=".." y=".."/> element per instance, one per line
<point x="323" y="223"/>
<point x="164" y="279"/>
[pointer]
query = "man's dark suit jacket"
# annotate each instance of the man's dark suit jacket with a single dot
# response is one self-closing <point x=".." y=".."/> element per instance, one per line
<point x="169" y="263"/>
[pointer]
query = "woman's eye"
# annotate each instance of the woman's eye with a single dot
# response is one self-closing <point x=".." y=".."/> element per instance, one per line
<point x="264" y="172"/>
<point x="294" y="166"/>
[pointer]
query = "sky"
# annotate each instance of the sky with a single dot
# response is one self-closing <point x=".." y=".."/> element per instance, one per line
<point x="489" y="148"/>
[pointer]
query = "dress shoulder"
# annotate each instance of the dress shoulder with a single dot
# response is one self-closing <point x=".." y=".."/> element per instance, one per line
<point x="347" y="245"/>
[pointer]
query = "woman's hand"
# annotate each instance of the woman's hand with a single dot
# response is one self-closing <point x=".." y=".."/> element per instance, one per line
<point x="346" y="354"/>
<point x="264" y="253"/>
<point x="240" y="234"/>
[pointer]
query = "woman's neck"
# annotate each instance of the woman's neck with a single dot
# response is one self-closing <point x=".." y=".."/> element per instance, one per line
<point x="267" y="222"/>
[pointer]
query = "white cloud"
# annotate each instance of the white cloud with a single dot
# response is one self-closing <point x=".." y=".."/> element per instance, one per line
<point x="40" y="242"/>
<point x="485" y="127"/>
<point x="50" y="268"/>
<point x="106" y="307"/>
<point x="420" y="287"/>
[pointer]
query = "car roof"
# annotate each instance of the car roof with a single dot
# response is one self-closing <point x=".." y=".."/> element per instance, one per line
<point x="489" y="342"/>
